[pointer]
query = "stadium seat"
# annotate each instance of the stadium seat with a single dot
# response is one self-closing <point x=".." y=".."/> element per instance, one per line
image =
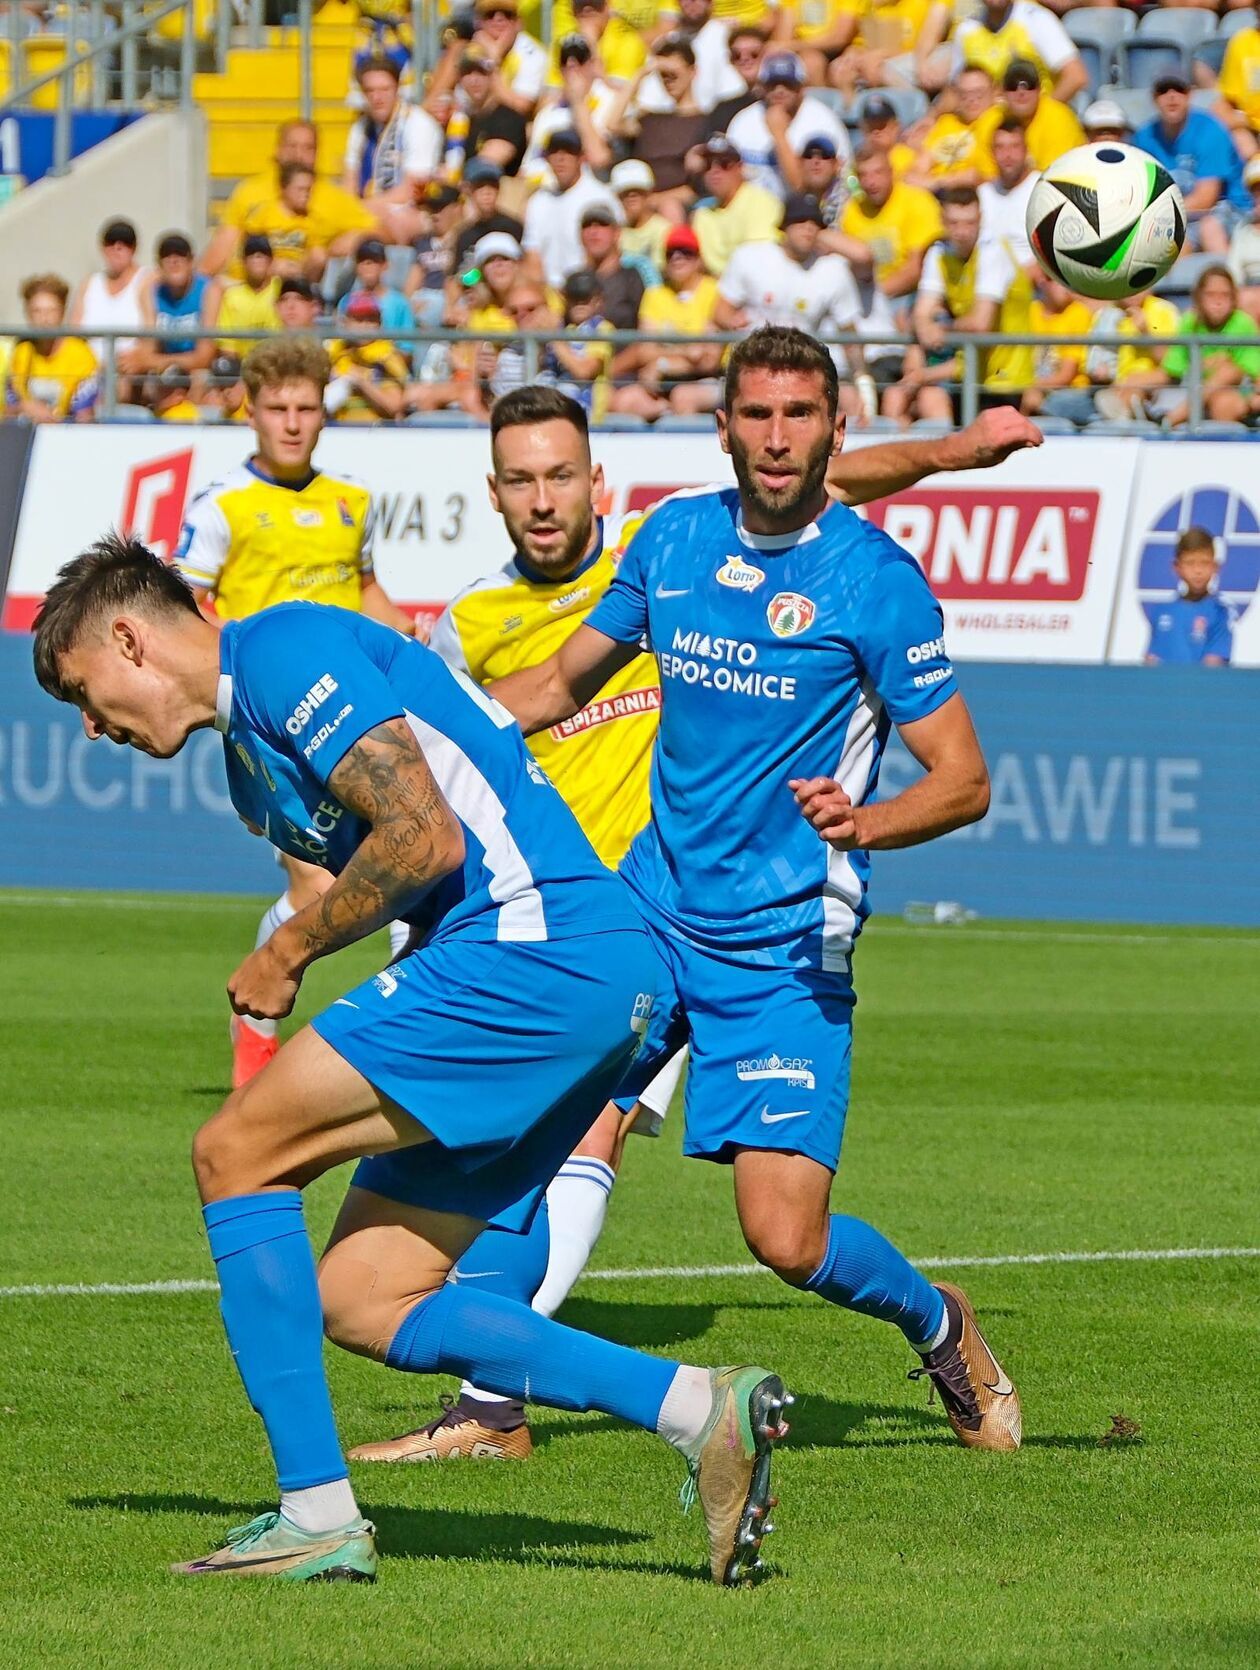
<point x="877" y="426"/>
<point x="620" y="422"/>
<point x="1125" y="426"/>
<point x="1232" y="22"/>
<point x="1181" y="277"/>
<point x="1096" y="31"/>
<point x="130" y="414"/>
<point x="1145" y="58"/>
<point x="1204" y="98"/>
<point x="926" y="428"/>
<point x="1134" y="101"/>
<point x="832" y="98"/>
<point x="1211" y="54"/>
<point x="1189" y="25"/>
<point x="1218" y="429"/>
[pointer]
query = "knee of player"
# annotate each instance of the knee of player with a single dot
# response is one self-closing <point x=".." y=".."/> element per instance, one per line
<point x="214" y="1148"/>
<point x="362" y="1309"/>
<point x="791" y="1248"/>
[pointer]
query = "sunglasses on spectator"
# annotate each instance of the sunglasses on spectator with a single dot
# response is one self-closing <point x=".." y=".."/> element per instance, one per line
<point x="522" y="310"/>
<point x="781" y="81"/>
<point x="681" y="255"/>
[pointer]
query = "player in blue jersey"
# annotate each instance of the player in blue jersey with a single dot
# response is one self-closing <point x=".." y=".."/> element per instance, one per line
<point x="790" y="636"/>
<point x="466" y="1071"/>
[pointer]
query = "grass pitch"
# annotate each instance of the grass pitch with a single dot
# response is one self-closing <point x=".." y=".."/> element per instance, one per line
<point x="1015" y="1092"/>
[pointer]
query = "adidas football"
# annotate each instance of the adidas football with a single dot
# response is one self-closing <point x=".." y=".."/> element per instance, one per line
<point x="1106" y="220"/>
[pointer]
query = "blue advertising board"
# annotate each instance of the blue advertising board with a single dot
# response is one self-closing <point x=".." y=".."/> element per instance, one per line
<point x="1119" y="795"/>
<point x="26" y="137"/>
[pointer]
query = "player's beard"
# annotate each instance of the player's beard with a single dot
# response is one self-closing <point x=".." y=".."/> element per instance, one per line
<point x="558" y="560"/>
<point x="782" y="506"/>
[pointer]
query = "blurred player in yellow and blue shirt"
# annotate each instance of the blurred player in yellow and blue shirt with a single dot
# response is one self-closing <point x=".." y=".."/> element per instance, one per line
<point x="277" y="530"/>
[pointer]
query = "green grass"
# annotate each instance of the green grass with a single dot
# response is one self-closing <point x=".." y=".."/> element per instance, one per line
<point x="1014" y="1093"/>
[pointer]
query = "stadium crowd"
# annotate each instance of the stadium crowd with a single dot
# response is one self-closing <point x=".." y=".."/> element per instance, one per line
<point x="844" y="165"/>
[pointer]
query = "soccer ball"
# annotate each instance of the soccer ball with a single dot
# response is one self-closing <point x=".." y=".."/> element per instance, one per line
<point x="1106" y="220"/>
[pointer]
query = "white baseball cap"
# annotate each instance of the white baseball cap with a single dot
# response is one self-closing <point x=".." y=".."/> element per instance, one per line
<point x="632" y="176"/>
<point x="496" y="243"/>
<point x="1105" y="113"/>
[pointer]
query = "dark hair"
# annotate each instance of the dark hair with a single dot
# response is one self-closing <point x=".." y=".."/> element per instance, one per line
<point x="676" y="46"/>
<point x="535" y="403"/>
<point x="1217" y="269"/>
<point x="781" y="348"/>
<point x="118" y="231"/>
<point x="377" y="61"/>
<point x="118" y="572"/>
<point x="1194" y="539"/>
<point x="290" y="170"/>
<point x="869" y="153"/>
<point x="174" y="243"/>
<point x="1012" y="124"/>
<point x="959" y="197"/>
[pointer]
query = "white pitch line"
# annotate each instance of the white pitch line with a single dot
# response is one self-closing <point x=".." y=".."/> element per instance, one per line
<point x="696" y="1272"/>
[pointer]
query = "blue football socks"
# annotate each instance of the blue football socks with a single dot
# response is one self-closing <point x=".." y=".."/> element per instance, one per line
<point x="269" y="1299"/>
<point x="512" y="1350"/>
<point x="502" y="1262"/>
<point x="864" y="1272"/>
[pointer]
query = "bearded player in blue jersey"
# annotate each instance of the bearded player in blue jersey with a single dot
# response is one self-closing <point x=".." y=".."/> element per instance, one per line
<point x="790" y="636"/>
<point x="467" y="1070"/>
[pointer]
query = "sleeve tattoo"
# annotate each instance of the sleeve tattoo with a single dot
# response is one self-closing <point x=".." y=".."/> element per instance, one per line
<point x="415" y="838"/>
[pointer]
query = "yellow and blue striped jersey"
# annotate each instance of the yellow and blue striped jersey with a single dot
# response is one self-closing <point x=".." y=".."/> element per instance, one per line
<point x="252" y="542"/>
<point x="599" y="760"/>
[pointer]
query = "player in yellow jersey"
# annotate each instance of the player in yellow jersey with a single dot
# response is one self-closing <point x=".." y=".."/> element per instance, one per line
<point x="547" y="490"/>
<point x="277" y="530"/>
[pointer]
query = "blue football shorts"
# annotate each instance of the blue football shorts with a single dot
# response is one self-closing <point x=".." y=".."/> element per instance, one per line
<point x="505" y="1052"/>
<point x="770" y="1051"/>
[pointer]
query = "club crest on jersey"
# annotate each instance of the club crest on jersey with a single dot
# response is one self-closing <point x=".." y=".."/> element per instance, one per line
<point x="740" y="575"/>
<point x="346" y="514"/>
<point x="789" y="613"/>
<point x="307" y="518"/>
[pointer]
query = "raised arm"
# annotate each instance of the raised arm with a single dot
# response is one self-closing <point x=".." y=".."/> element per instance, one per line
<point x="953" y="791"/>
<point x="562" y="685"/>
<point x="875" y="472"/>
<point x="414" y="840"/>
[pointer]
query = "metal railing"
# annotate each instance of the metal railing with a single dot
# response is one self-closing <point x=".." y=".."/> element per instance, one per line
<point x="971" y="348"/>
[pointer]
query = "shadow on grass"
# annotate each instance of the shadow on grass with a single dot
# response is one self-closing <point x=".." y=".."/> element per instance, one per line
<point x="442" y="1534"/>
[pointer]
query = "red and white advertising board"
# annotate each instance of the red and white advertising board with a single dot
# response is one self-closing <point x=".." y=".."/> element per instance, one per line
<point x="1213" y="485"/>
<point x="1025" y="558"/>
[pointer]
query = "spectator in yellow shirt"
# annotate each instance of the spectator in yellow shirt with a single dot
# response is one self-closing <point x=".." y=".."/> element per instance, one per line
<point x="1050" y="128"/>
<point x="1239" y="87"/>
<point x="51" y="380"/>
<point x="1062" y="384"/>
<point x="888" y="227"/>
<point x="370" y="376"/>
<point x="339" y="219"/>
<point x="742" y="212"/>
<point x="818" y="31"/>
<point x="251" y="304"/>
<point x="1003" y="30"/>
<point x="618" y="49"/>
<point x="882" y="53"/>
<point x="1133" y="372"/>
<point x="168" y="393"/>
<point x="957" y="149"/>
<point x="292" y="230"/>
<point x="882" y="130"/>
<point x="672" y="377"/>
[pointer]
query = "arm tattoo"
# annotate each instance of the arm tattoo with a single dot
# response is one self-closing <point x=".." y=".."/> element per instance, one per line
<point x="415" y="838"/>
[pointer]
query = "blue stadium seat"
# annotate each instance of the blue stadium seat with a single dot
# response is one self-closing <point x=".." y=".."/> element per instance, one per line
<point x="1204" y="98"/>
<point x="925" y="428"/>
<point x="1125" y="426"/>
<point x="124" y="413"/>
<point x="1211" y="54"/>
<point x="1178" y="282"/>
<point x="697" y="425"/>
<point x="613" y="422"/>
<point x="1232" y="22"/>
<point x="1056" y="426"/>
<point x="1189" y="25"/>
<point x="1219" y="429"/>
<point x="1145" y="58"/>
<point x="1136" y="103"/>
<point x="1096" y="31"/>
<point x="832" y="98"/>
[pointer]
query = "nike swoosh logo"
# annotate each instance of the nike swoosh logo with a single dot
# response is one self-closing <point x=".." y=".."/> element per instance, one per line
<point x="683" y="592"/>
<point x="1002" y="1386"/>
<point x="768" y="1118"/>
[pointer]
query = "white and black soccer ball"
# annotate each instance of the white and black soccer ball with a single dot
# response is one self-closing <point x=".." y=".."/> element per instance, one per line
<point x="1106" y="220"/>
